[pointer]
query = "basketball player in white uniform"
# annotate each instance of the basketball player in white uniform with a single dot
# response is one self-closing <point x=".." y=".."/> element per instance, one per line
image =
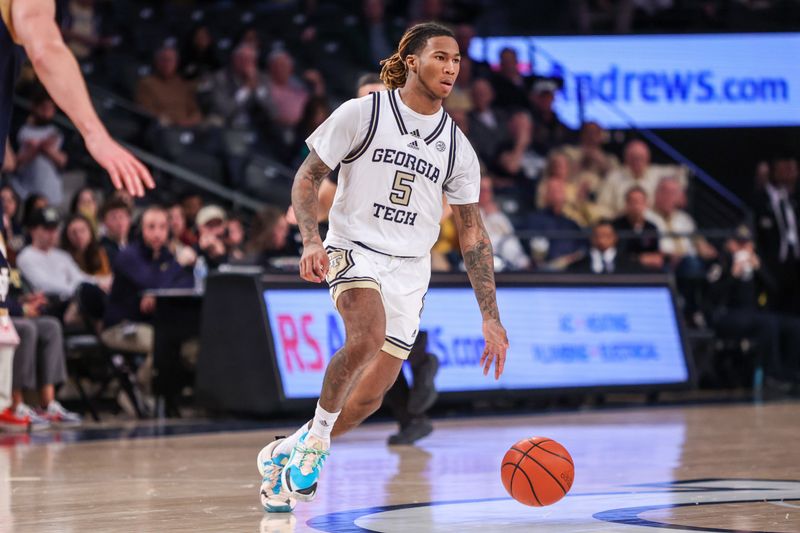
<point x="399" y="152"/>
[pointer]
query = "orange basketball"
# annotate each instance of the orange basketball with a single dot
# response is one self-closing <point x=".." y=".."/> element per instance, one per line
<point x="537" y="471"/>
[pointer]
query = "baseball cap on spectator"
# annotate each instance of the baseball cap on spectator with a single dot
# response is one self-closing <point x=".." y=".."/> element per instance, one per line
<point x="545" y="85"/>
<point x="47" y="217"/>
<point x="743" y="233"/>
<point x="210" y="213"/>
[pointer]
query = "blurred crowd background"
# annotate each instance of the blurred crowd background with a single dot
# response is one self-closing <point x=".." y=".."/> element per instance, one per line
<point x="217" y="98"/>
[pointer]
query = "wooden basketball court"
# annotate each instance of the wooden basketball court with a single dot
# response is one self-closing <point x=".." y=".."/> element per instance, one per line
<point x="731" y="468"/>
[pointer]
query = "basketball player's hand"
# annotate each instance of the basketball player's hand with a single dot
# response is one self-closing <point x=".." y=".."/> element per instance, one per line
<point x="125" y="170"/>
<point x="494" y="334"/>
<point x="314" y="262"/>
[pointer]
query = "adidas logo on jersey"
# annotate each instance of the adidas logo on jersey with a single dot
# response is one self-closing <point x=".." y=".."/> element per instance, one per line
<point x="413" y="144"/>
<point x="415" y="133"/>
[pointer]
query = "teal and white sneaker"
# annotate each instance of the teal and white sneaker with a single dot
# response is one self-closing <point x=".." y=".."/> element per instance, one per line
<point x="301" y="473"/>
<point x="274" y="498"/>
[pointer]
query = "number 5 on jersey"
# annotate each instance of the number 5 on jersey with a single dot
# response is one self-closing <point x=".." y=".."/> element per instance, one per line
<point x="401" y="190"/>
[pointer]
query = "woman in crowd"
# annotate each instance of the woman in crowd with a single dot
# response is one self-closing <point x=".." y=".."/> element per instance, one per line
<point x="14" y="236"/>
<point x="85" y="203"/>
<point x="79" y="240"/>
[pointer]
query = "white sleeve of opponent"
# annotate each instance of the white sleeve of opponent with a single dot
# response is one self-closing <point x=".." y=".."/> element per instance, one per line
<point x="341" y="132"/>
<point x="464" y="185"/>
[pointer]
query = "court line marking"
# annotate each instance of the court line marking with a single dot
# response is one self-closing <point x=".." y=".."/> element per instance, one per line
<point x="345" y="521"/>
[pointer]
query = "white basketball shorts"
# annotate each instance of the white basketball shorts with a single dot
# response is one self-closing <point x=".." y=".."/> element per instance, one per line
<point x="401" y="281"/>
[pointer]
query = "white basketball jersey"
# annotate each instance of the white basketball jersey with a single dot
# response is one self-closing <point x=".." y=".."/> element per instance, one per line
<point x="395" y="166"/>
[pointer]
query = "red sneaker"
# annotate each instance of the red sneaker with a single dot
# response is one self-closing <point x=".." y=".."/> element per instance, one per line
<point x="11" y="421"/>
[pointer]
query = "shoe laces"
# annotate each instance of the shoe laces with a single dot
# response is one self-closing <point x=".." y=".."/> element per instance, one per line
<point x="24" y="410"/>
<point x="272" y="471"/>
<point x="310" y="458"/>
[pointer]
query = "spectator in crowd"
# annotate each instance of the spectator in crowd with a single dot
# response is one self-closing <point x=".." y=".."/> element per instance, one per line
<point x="79" y="241"/>
<point x="73" y="294"/>
<point x="287" y="94"/>
<point x="180" y="238"/>
<point x="367" y="84"/>
<point x="510" y="87"/>
<point x="505" y="243"/>
<point x="640" y="241"/>
<point x="191" y="202"/>
<point x="460" y="98"/>
<point x="555" y="252"/>
<point x="116" y="218"/>
<point x="619" y="15"/>
<point x="235" y="237"/>
<point x="736" y="280"/>
<point x="145" y="264"/>
<point x="374" y="39"/>
<point x="550" y="131"/>
<point x="487" y="125"/>
<point x="13" y="235"/>
<point x="84" y="202"/>
<point x="269" y="239"/>
<point x="41" y="158"/>
<point x="593" y="163"/>
<point x="166" y="95"/>
<point x="199" y="57"/>
<point x="83" y="28"/>
<point x="33" y="203"/>
<point x="181" y="248"/>
<point x="464" y="34"/>
<point x="637" y="170"/>
<point x="778" y="234"/>
<point x="239" y="95"/>
<point x="445" y="251"/>
<point x="39" y="364"/>
<point x="9" y="162"/>
<point x="315" y="112"/>
<point x="578" y="207"/>
<point x="211" y="221"/>
<point x="249" y="36"/>
<point x="519" y="165"/>
<point x="677" y="227"/>
<point x="604" y="257"/>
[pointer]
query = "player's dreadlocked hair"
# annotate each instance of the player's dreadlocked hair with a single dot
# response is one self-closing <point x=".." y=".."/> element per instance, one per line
<point x="393" y="69"/>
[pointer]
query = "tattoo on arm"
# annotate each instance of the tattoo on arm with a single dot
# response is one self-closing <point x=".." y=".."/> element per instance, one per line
<point x="305" y="190"/>
<point x="478" y="257"/>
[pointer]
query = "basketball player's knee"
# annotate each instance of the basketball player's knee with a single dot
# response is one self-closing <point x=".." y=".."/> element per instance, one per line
<point x="367" y="404"/>
<point x="364" y="345"/>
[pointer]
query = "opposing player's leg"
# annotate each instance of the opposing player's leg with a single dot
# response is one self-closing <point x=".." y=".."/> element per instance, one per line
<point x="365" y="325"/>
<point x="368" y="393"/>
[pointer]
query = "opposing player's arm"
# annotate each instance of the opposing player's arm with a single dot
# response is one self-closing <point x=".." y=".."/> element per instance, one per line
<point x="56" y="67"/>
<point x="305" y="201"/>
<point x="479" y="262"/>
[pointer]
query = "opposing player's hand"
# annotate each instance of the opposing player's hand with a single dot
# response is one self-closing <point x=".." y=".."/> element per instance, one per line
<point x="496" y="346"/>
<point x="314" y="263"/>
<point x="125" y="170"/>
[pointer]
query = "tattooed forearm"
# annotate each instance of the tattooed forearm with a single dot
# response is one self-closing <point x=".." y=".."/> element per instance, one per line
<point x="304" y="195"/>
<point x="478" y="257"/>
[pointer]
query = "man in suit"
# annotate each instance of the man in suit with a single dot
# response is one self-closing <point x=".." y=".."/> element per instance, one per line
<point x="640" y="241"/>
<point x="603" y="256"/>
<point x="778" y="237"/>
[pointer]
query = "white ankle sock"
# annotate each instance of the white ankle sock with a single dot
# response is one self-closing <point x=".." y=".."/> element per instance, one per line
<point x="289" y="442"/>
<point x="322" y="425"/>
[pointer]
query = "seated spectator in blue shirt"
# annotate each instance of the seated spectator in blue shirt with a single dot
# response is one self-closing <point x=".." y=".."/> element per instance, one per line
<point x="143" y="265"/>
<point x="555" y="252"/>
